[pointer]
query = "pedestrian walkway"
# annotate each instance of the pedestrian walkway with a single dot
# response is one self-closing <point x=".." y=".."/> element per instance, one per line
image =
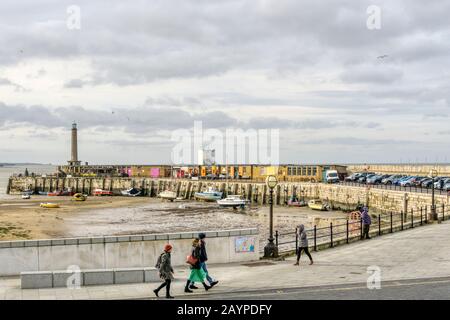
<point x="412" y="254"/>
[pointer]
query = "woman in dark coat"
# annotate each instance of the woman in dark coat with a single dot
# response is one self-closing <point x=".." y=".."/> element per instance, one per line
<point x="164" y="266"/>
<point x="197" y="273"/>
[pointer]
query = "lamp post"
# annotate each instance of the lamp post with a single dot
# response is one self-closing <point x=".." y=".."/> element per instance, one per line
<point x="433" y="214"/>
<point x="271" y="250"/>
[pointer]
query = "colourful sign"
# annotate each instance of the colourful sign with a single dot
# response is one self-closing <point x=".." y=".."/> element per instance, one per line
<point x="245" y="244"/>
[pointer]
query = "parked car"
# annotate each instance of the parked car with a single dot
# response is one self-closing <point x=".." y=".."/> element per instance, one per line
<point x="408" y="182"/>
<point x="375" y="179"/>
<point x="426" y="183"/>
<point x="418" y="181"/>
<point x="446" y="187"/>
<point x="364" y="176"/>
<point x="397" y="182"/>
<point x="390" y="179"/>
<point x="352" y="177"/>
<point x="440" y="182"/>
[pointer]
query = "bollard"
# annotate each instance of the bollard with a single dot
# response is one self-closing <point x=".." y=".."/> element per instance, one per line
<point x="296" y="238"/>
<point x="360" y="228"/>
<point x="276" y="238"/>
<point x="426" y="214"/>
<point x="331" y="233"/>
<point x="412" y="218"/>
<point x="391" y="222"/>
<point x="347" y="231"/>
<point x="315" y="238"/>
<point x="443" y="212"/>
<point x="402" y="219"/>
<point x="421" y="218"/>
<point x="379" y="225"/>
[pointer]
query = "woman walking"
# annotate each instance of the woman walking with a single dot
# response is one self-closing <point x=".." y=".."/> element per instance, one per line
<point x="197" y="272"/>
<point x="164" y="266"/>
<point x="303" y="244"/>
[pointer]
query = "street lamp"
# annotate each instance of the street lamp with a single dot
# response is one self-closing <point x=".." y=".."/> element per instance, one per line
<point x="433" y="214"/>
<point x="271" y="250"/>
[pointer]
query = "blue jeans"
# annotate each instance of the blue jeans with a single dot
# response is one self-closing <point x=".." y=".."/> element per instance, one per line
<point x="203" y="266"/>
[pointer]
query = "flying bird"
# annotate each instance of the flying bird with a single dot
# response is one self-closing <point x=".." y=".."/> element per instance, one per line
<point x="383" y="56"/>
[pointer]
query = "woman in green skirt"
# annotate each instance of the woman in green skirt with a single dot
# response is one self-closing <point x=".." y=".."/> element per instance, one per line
<point x="197" y="273"/>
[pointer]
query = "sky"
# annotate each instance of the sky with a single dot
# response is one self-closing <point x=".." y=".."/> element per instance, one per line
<point x="338" y="89"/>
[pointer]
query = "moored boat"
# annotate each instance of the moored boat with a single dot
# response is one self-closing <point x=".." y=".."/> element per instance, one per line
<point x="210" y="195"/>
<point x="100" y="192"/>
<point x="295" y="202"/>
<point x="168" y="195"/>
<point x="317" y="205"/>
<point x="232" y="201"/>
<point x="49" y="205"/>
<point x="79" y="197"/>
<point x="133" y="192"/>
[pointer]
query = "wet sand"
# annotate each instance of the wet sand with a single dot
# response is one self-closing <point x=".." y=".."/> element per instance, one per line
<point x="99" y="216"/>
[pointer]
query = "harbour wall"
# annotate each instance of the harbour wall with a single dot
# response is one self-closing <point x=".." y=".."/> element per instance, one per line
<point x="340" y="196"/>
<point x="111" y="252"/>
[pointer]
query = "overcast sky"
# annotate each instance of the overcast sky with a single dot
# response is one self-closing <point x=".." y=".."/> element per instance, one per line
<point x="136" y="71"/>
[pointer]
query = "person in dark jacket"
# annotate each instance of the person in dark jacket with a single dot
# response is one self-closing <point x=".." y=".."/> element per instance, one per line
<point x="366" y="221"/>
<point x="204" y="258"/>
<point x="165" y="269"/>
<point x="197" y="273"/>
<point x="303" y="244"/>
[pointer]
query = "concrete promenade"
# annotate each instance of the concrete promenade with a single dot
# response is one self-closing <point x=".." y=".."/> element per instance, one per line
<point x="411" y="255"/>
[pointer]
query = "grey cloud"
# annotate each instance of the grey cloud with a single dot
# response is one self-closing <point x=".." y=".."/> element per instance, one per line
<point x="75" y="83"/>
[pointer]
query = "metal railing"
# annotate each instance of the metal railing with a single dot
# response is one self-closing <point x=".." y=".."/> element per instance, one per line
<point x="351" y="230"/>
<point x="396" y="187"/>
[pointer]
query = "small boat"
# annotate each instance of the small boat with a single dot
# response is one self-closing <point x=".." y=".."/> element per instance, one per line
<point x="49" y="205"/>
<point x="295" y="202"/>
<point x="133" y="192"/>
<point x="54" y="193"/>
<point x="26" y="196"/>
<point x="29" y="192"/>
<point x="317" y="205"/>
<point x="210" y="195"/>
<point x="233" y="201"/>
<point x="79" y="197"/>
<point x="100" y="192"/>
<point x="168" y="195"/>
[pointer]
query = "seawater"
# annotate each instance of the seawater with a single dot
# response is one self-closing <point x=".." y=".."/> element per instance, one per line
<point x="7" y="171"/>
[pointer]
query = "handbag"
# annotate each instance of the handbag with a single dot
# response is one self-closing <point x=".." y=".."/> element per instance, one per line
<point x="191" y="260"/>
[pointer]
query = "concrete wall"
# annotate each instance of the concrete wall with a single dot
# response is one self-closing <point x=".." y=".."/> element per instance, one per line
<point x="118" y="252"/>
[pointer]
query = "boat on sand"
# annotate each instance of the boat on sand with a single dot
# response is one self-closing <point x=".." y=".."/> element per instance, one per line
<point x="232" y="201"/>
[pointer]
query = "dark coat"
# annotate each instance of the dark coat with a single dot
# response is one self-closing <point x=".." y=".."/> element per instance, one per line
<point x="196" y="252"/>
<point x="165" y="268"/>
<point x="203" y="255"/>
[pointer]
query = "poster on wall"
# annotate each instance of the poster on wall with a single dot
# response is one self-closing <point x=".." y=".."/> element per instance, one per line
<point x="245" y="244"/>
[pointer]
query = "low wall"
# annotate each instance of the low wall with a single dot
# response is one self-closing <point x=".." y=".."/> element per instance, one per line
<point x="120" y="252"/>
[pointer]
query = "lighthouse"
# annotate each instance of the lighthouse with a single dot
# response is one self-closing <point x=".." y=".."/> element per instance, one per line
<point x="74" y="147"/>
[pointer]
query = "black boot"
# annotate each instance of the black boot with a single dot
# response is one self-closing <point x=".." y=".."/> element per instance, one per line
<point x="186" y="288"/>
<point x="193" y="286"/>
<point x="168" y="296"/>
<point x="156" y="291"/>
<point x="206" y="286"/>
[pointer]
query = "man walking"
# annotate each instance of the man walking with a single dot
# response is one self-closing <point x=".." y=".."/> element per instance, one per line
<point x="366" y="221"/>
<point x="204" y="258"/>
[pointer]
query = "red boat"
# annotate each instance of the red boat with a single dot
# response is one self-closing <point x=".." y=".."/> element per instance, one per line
<point x="100" y="192"/>
<point x="61" y="193"/>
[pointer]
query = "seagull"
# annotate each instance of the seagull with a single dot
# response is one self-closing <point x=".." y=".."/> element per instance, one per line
<point x="383" y="56"/>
